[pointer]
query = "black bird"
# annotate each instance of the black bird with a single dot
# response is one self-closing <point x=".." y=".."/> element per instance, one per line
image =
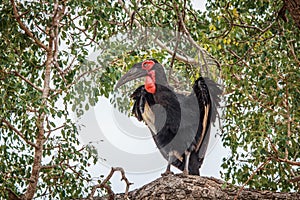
<point x="180" y="125"/>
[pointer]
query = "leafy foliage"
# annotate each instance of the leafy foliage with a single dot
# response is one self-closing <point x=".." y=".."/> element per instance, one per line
<point x="45" y="74"/>
<point x="38" y="134"/>
<point x="259" y="54"/>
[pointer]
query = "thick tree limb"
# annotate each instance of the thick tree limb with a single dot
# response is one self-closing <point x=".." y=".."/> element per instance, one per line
<point x="195" y="187"/>
<point x="58" y="13"/>
<point x="293" y="6"/>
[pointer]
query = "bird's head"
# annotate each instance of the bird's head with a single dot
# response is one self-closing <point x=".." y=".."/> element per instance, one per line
<point x="151" y="69"/>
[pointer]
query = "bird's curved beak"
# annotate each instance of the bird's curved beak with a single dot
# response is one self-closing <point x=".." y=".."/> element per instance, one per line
<point x="135" y="72"/>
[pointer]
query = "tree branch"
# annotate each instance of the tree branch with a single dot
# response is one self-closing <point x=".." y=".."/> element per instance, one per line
<point x="254" y="172"/>
<point x="24" y="28"/>
<point x="27" y="81"/>
<point x="295" y="179"/>
<point x="202" y="52"/>
<point x="185" y="59"/>
<point x="287" y="161"/>
<point x="18" y="133"/>
<point x="104" y="184"/>
<point x="179" y="186"/>
<point x="76" y="80"/>
<point x="58" y="13"/>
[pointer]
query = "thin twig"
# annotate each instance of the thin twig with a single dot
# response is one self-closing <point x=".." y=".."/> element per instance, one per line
<point x="253" y="173"/>
<point x="292" y="49"/>
<point x="295" y="179"/>
<point x="289" y="132"/>
<point x="202" y="52"/>
<point x="156" y="40"/>
<point x="76" y="80"/>
<point x="175" y="51"/>
<point x="272" y="145"/>
<point x="240" y="59"/>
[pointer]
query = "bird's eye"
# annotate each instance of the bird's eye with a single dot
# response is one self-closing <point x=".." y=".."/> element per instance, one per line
<point x="148" y="64"/>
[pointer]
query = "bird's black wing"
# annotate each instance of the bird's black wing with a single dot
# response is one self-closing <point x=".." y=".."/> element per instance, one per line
<point x="208" y="95"/>
<point x="160" y="112"/>
<point x="199" y="109"/>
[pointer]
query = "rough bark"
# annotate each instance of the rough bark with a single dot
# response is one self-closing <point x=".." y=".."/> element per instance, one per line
<point x="194" y="187"/>
<point x="293" y="6"/>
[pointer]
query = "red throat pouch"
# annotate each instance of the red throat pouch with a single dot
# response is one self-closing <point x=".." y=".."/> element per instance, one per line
<point x="150" y="82"/>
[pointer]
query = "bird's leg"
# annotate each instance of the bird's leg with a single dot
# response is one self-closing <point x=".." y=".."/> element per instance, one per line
<point x="186" y="165"/>
<point x="168" y="170"/>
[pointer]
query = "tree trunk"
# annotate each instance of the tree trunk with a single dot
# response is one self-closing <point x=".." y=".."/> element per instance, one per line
<point x="293" y="6"/>
<point x="194" y="187"/>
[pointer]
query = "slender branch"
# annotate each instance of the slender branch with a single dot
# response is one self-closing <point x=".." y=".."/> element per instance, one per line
<point x="252" y="175"/>
<point x="91" y="39"/>
<point x="295" y="163"/>
<point x="295" y="179"/>
<point x="57" y="128"/>
<point x="240" y="59"/>
<point x="282" y="159"/>
<point x="69" y="66"/>
<point x="202" y="52"/>
<point x="272" y="146"/>
<point x="247" y="26"/>
<point x="174" y="53"/>
<point x="185" y="59"/>
<point x="292" y="49"/>
<point x="55" y="57"/>
<point x="185" y="29"/>
<point x="24" y="28"/>
<point x="76" y="80"/>
<point x="18" y="133"/>
<point x="27" y="81"/>
<point x="104" y="184"/>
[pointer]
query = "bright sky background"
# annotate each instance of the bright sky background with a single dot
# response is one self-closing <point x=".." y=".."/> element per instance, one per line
<point x="125" y="142"/>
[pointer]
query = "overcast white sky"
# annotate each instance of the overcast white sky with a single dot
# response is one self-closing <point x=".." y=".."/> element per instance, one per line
<point x="128" y="143"/>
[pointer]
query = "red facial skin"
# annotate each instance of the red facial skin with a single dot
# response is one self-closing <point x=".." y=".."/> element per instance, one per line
<point x="150" y="82"/>
<point x="150" y="78"/>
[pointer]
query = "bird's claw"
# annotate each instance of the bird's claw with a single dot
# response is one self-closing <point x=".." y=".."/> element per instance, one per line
<point x="185" y="172"/>
<point x="166" y="173"/>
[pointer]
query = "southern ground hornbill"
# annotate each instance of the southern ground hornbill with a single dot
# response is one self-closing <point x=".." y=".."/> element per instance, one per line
<point x="180" y="125"/>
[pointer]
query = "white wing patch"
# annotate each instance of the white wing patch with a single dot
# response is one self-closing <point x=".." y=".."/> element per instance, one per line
<point x="204" y="125"/>
<point x="149" y="118"/>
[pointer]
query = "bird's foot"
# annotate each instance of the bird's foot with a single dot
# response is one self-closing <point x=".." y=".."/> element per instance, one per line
<point x="166" y="173"/>
<point x="185" y="172"/>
